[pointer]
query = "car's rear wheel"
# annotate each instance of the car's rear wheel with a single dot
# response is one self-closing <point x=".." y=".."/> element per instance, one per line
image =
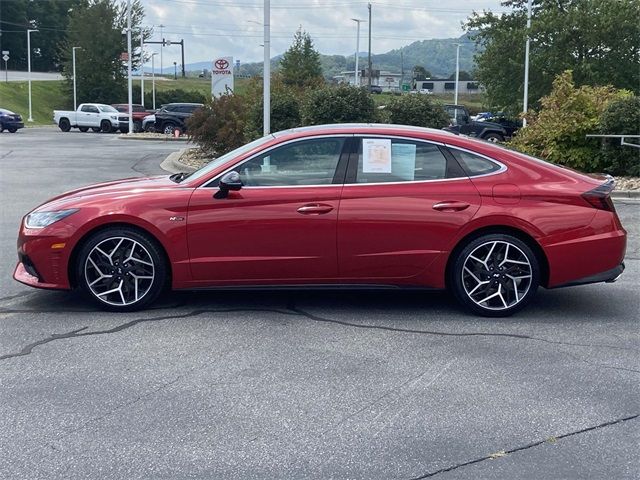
<point x="493" y="138"/>
<point x="83" y="129"/>
<point x="495" y="275"/>
<point x="168" y="128"/>
<point x="121" y="269"/>
<point x="105" y="126"/>
<point x="64" y="124"/>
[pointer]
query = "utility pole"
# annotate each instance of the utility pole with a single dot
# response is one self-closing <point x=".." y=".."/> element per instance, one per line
<point x="142" y="66"/>
<point x="73" y="54"/>
<point x="369" y="48"/>
<point x="266" y="72"/>
<point x="129" y="80"/>
<point x="455" y="100"/>
<point x="526" y="65"/>
<point x="161" y="46"/>
<point x="153" y="79"/>
<point x="29" y="32"/>
<point x="357" y="71"/>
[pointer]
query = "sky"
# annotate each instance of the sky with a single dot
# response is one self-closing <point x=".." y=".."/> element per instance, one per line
<point x="220" y="28"/>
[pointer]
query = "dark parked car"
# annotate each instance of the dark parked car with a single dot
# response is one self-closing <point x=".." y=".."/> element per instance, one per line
<point x="173" y="116"/>
<point x="375" y="89"/>
<point x="139" y="112"/>
<point x="10" y="121"/>
<point x="509" y="124"/>
<point x="461" y="123"/>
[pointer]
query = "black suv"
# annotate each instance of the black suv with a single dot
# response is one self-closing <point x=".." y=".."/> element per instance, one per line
<point x="173" y="116"/>
<point x="461" y="123"/>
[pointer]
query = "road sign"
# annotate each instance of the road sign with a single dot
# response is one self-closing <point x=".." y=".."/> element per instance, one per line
<point x="5" y="52"/>
<point x="222" y="76"/>
<point x="5" y="57"/>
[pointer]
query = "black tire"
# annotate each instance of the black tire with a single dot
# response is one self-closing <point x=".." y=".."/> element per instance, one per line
<point x="506" y="285"/>
<point x="137" y="126"/>
<point x="83" y="129"/>
<point x="64" y="124"/>
<point x="168" y="128"/>
<point x="151" y="128"/>
<point x="124" y="129"/>
<point x="105" y="126"/>
<point x="12" y="129"/>
<point x="493" y="138"/>
<point x="96" y="129"/>
<point x="122" y="269"/>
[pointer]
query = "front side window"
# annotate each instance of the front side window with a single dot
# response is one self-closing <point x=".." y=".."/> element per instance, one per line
<point x="384" y="160"/>
<point x="89" y="109"/>
<point x="307" y="162"/>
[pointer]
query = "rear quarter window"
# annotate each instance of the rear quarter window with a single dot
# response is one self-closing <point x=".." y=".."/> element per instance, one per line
<point x="475" y="165"/>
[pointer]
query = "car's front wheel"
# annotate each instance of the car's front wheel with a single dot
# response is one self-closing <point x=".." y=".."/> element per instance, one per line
<point x="121" y="269"/>
<point x="495" y="275"/>
<point x="105" y="126"/>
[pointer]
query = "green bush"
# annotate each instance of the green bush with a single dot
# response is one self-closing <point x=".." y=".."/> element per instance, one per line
<point x="285" y="113"/>
<point x="342" y="104"/>
<point x="621" y="117"/>
<point x="558" y="132"/>
<point x="219" y="126"/>
<point x="418" y="110"/>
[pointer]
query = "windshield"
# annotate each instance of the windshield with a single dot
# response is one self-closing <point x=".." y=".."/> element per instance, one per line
<point x="215" y="163"/>
<point x="107" y="108"/>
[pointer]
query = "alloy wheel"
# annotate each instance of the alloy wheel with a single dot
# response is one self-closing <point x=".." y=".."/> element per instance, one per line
<point x="497" y="275"/>
<point x="119" y="271"/>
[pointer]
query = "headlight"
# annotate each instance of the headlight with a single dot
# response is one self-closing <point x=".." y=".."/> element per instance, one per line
<point x="115" y="117"/>
<point x="44" y="219"/>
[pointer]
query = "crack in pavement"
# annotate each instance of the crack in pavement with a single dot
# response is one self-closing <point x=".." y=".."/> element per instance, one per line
<point x="28" y="349"/>
<point x="525" y="447"/>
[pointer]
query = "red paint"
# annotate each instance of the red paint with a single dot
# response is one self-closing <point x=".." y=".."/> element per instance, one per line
<point x="401" y="233"/>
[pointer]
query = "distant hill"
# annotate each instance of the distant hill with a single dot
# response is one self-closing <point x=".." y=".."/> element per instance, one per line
<point x="437" y="55"/>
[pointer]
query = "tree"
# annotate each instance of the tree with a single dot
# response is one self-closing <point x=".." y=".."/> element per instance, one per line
<point x="97" y="28"/>
<point x="418" y="110"/>
<point x="462" y="75"/>
<point x="342" y="104"/>
<point x="420" y="73"/>
<point x="300" y="65"/>
<point x="50" y="17"/>
<point x="598" y="39"/>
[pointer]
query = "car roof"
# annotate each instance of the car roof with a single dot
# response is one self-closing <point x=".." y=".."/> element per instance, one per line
<point x="366" y="128"/>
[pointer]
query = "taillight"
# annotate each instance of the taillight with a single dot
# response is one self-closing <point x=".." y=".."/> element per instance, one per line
<point x="599" y="197"/>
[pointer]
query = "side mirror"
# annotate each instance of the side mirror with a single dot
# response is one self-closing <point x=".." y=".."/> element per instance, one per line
<point x="229" y="181"/>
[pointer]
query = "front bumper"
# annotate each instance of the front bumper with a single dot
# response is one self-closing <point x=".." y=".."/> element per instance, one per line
<point x="13" y="124"/>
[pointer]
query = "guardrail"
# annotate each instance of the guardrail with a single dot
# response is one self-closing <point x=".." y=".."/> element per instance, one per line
<point x="621" y="137"/>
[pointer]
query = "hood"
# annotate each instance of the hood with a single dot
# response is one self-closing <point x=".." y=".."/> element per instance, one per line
<point x="126" y="186"/>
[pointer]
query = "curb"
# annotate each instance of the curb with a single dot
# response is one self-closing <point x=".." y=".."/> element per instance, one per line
<point x="172" y="163"/>
<point x="625" y="194"/>
<point x="125" y="136"/>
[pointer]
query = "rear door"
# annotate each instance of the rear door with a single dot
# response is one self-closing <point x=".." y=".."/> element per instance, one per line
<point x="402" y="204"/>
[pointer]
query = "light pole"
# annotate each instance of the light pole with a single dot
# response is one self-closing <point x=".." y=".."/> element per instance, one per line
<point x="161" y="46"/>
<point x="73" y="54"/>
<point x="455" y="100"/>
<point x="357" y="73"/>
<point x="266" y="73"/>
<point x="369" y="60"/>
<point x="526" y="66"/>
<point x="29" y="32"/>
<point x="153" y="79"/>
<point x="130" y="83"/>
<point x="141" y="66"/>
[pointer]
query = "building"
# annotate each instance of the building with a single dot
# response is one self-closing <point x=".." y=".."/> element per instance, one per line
<point x="441" y="85"/>
<point x="389" y="81"/>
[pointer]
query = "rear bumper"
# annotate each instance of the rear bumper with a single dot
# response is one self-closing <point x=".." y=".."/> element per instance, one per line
<point x="609" y="276"/>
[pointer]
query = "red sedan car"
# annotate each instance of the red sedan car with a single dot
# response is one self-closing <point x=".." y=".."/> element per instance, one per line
<point x="364" y="205"/>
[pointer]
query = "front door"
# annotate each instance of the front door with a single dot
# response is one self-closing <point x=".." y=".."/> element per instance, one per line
<point x="402" y="203"/>
<point x="280" y="227"/>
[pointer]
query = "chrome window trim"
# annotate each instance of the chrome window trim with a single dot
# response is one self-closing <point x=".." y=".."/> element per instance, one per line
<point x="503" y="167"/>
<point x="299" y="139"/>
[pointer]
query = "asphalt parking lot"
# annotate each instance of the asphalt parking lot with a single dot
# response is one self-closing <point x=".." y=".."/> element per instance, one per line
<point x="371" y="385"/>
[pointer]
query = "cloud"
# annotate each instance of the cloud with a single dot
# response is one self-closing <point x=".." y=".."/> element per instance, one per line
<point x="214" y="28"/>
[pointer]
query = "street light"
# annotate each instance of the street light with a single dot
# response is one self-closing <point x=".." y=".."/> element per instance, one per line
<point x="266" y="73"/>
<point x="73" y="54"/>
<point x="153" y="78"/>
<point x="29" y="32"/>
<point x="141" y="66"/>
<point x="357" y="73"/>
<point x="526" y="66"/>
<point x="455" y="100"/>
<point x="129" y="82"/>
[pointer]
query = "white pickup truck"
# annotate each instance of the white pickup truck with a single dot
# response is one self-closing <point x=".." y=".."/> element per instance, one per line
<point x="95" y="116"/>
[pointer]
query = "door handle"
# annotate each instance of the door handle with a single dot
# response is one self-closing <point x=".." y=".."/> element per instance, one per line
<point x="450" y="206"/>
<point x="315" y="209"/>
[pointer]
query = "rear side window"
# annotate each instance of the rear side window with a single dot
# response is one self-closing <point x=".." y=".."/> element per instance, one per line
<point x="474" y="164"/>
<point x="384" y="160"/>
